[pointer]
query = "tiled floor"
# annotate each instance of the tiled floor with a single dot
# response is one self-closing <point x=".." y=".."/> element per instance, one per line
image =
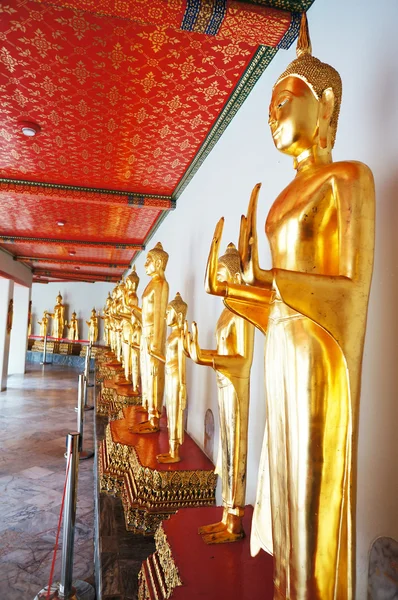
<point x="36" y="413"/>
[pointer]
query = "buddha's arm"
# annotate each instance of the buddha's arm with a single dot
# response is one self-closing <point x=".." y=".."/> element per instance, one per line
<point x="160" y="300"/>
<point x="331" y="299"/>
<point x="182" y="375"/>
<point x="194" y="351"/>
<point x="137" y="312"/>
<point x="248" y="246"/>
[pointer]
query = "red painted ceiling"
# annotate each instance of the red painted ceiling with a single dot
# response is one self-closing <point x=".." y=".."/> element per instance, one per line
<point x="125" y="96"/>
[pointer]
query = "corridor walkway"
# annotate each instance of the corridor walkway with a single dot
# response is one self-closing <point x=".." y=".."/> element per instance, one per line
<point x="36" y="413"/>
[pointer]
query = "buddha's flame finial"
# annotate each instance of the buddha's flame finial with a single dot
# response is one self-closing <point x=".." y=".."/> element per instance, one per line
<point x="304" y="40"/>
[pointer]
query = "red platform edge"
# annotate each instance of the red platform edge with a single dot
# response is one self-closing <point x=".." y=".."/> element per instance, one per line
<point x="217" y="571"/>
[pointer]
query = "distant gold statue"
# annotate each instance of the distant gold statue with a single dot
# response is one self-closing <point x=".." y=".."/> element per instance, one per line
<point x="232" y="362"/>
<point x="73" y="328"/>
<point x="135" y="354"/>
<point x="129" y="300"/>
<point x="58" y="317"/>
<point x="153" y="337"/>
<point x="93" y="327"/>
<point x="315" y="298"/>
<point x="43" y="324"/>
<point x="175" y="386"/>
<point x="106" y="319"/>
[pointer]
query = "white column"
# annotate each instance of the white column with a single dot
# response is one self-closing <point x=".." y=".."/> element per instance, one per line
<point x="19" y="333"/>
<point x="6" y="294"/>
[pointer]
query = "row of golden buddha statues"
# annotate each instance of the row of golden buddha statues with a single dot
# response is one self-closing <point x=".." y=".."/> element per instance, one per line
<point x="312" y="306"/>
<point x="59" y="323"/>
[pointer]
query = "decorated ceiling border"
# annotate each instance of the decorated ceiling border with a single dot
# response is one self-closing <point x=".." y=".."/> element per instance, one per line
<point x="90" y="195"/>
<point x="65" y="261"/>
<point x="7" y="239"/>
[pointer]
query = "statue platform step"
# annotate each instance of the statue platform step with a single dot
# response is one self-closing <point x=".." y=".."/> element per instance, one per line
<point x="183" y="566"/>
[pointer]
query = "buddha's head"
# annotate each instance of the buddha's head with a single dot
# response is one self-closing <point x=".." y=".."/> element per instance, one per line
<point x="156" y="260"/>
<point x="73" y="315"/>
<point x="93" y="312"/>
<point x="229" y="268"/>
<point x="305" y="102"/>
<point x="133" y="280"/>
<point x="176" y="311"/>
<point x="59" y="298"/>
<point x="121" y="288"/>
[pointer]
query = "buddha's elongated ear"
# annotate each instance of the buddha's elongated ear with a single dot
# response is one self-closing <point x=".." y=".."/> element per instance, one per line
<point x="326" y="107"/>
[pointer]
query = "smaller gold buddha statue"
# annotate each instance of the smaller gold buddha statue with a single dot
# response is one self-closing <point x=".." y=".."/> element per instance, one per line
<point x="93" y="327"/>
<point x="58" y="317"/>
<point x="232" y="360"/>
<point x="106" y="318"/>
<point x="153" y="337"/>
<point x="43" y="324"/>
<point x="175" y="380"/>
<point x="73" y="328"/>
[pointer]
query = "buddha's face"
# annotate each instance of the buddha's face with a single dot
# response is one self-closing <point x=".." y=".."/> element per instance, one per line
<point x="150" y="265"/>
<point x="171" y="317"/>
<point x="293" y="116"/>
<point x="223" y="273"/>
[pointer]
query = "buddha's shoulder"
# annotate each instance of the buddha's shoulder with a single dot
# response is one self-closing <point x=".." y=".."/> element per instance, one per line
<point x="350" y="169"/>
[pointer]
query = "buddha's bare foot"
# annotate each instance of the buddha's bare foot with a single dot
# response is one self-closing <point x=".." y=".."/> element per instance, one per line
<point x="222" y="537"/>
<point x="141" y="409"/>
<point x="212" y="528"/>
<point x="168" y="458"/>
<point x="150" y="426"/>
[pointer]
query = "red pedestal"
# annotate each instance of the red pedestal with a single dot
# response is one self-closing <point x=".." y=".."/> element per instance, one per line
<point x="213" y="572"/>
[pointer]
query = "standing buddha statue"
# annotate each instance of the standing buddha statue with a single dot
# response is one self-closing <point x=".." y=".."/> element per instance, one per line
<point x="58" y="317"/>
<point x="232" y="360"/>
<point x="93" y="327"/>
<point x="312" y="304"/>
<point x="106" y="318"/>
<point x="129" y="300"/>
<point x="43" y="324"/>
<point x="175" y="381"/>
<point x="153" y="337"/>
<point x="73" y="328"/>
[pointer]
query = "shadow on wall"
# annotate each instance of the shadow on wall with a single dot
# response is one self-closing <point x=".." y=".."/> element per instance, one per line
<point x="377" y="462"/>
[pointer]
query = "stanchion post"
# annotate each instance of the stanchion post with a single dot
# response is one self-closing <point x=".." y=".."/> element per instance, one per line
<point x="88" y="365"/>
<point x="84" y="454"/>
<point x="73" y="443"/>
<point x="44" y="361"/>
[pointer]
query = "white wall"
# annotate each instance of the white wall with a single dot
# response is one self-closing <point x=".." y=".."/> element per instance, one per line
<point x="19" y="333"/>
<point x="360" y="40"/>
<point x="76" y="296"/>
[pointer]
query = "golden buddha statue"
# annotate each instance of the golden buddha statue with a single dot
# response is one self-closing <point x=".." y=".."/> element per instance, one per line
<point x="129" y="299"/>
<point x="58" y="317"/>
<point x="232" y="362"/>
<point x="153" y="337"/>
<point x="106" y="318"/>
<point x="43" y="324"/>
<point x="73" y="328"/>
<point x="112" y="321"/>
<point x="313" y="305"/>
<point x="117" y="318"/>
<point x="93" y="327"/>
<point x="175" y="382"/>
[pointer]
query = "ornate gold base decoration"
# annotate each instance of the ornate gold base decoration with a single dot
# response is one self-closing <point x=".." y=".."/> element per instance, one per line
<point x="182" y="566"/>
<point x="151" y="491"/>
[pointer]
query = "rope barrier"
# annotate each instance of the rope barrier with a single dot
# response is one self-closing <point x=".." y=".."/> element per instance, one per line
<point x="50" y="580"/>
